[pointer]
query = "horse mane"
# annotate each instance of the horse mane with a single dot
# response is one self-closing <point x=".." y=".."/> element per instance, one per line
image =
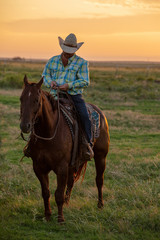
<point x="50" y="98"/>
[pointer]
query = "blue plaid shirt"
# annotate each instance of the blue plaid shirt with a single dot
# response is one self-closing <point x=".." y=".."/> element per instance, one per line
<point x="76" y="74"/>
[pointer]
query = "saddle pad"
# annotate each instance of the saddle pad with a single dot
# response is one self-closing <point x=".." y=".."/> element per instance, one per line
<point x="94" y="117"/>
<point x="95" y="121"/>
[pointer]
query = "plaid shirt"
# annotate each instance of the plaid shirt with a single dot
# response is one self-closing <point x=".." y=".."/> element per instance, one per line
<point x="75" y="74"/>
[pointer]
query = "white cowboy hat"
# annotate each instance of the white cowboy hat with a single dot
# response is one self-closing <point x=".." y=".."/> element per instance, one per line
<point x="69" y="45"/>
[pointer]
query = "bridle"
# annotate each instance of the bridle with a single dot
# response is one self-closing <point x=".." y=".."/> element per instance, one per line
<point x="34" y="121"/>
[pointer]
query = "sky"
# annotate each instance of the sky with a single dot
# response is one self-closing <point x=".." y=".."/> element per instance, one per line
<point x="110" y="29"/>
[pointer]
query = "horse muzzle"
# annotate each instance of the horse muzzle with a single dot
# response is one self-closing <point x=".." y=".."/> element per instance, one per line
<point x="25" y="127"/>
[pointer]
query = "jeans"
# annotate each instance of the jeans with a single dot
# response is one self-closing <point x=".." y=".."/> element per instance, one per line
<point x="83" y="114"/>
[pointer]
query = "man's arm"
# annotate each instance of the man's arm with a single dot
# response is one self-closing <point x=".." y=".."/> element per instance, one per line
<point x="82" y="80"/>
<point x="47" y="76"/>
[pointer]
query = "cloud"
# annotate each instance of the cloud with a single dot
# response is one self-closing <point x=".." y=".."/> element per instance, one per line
<point x="126" y="2"/>
<point x="93" y="26"/>
<point x="143" y="6"/>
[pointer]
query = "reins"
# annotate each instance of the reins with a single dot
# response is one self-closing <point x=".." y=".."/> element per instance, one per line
<point x="51" y="138"/>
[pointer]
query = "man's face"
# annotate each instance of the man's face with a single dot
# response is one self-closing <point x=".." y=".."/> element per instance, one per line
<point x="68" y="55"/>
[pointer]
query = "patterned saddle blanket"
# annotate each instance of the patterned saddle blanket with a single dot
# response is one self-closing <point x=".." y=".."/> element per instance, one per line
<point x="93" y="116"/>
<point x="95" y="121"/>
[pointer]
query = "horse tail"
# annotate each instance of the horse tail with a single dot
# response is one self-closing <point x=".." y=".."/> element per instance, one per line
<point x="81" y="170"/>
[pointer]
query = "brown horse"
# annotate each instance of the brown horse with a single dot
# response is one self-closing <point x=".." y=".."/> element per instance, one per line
<point x="51" y="145"/>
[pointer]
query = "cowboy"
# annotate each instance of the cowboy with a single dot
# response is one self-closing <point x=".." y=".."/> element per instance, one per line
<point x="70" y="73"/>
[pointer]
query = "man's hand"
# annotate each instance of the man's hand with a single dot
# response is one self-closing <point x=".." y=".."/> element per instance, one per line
<point x="64" y="87"/>
<point x="53" y="85"/>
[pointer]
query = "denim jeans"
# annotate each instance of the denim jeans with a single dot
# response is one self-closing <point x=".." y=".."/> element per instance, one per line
<point x="83" y="114"/>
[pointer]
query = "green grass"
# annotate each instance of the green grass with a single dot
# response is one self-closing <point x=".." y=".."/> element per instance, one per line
<point x="130" y="100"/>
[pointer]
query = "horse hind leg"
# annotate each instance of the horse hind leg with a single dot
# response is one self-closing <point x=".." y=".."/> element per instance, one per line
<point x="100" y="163"/>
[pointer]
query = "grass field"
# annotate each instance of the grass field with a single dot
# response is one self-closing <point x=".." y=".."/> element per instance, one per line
<point x="130" y="99"/>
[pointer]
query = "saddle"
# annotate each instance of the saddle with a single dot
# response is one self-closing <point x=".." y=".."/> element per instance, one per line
<point x="80" y="142"/>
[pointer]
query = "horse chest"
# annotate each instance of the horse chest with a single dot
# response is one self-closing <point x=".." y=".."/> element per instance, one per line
<point x="49" y="158"/>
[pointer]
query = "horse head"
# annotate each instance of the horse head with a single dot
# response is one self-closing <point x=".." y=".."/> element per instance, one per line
<point x="30" y="106"/>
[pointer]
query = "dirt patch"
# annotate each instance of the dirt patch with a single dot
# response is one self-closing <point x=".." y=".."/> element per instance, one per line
<point x="5" y="109"/>
<point x="134" y="116"/>
<point x="132" y="121"/>
<point x="11" y="92"/>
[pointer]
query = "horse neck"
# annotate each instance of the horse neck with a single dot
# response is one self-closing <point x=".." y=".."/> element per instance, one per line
<point x="48" y="116"/>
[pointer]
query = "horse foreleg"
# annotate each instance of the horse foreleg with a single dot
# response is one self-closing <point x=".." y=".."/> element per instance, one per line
<point x="59" y="193"/>
<point x="44" y="180"/>
<point x="70" y="183"/>
<point x="100" y="167"/>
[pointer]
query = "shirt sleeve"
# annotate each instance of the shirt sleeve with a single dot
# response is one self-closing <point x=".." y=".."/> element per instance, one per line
<point x="47" y="76"/>
<point x="82" y="79"/>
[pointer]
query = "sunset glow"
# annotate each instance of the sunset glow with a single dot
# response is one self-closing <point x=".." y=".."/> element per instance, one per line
<point x="111" y="29"/>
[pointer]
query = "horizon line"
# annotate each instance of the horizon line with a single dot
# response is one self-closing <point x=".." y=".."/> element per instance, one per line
<point x="92" y="63"/>
<point x="26" y="59"/>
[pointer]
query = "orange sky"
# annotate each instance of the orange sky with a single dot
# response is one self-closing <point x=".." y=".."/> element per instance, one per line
<point x="111" y="29"/>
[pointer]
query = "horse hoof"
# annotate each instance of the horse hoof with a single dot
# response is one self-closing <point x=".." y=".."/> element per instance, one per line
<point x="60" y="220"/>
<point x="100" y="205"/>
<point x="48" y="217"/>
<point x="66" y="201"/>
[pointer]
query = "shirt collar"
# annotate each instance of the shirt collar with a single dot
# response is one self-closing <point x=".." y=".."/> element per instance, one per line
<point x="69" y="60"/>
<point x="72" y="58"/>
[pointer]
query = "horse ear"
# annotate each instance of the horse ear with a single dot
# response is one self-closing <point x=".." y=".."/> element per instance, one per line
<point x="25" y="80"/>
<point x="40" y="83"/>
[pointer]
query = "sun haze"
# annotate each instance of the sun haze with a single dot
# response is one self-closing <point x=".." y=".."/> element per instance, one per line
<point x="111" y="29"/>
